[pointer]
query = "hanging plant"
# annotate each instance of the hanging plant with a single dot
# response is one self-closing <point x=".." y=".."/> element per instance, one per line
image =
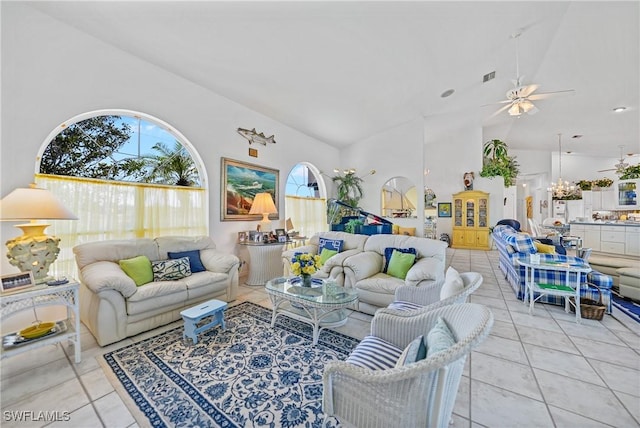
<point x="584" y="184"/>
<point x="630" y="172"/>
<point x="496" y="161"/>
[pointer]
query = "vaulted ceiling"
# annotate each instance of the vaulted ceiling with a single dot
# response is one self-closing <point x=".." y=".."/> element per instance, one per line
<point x="342" y="71"/>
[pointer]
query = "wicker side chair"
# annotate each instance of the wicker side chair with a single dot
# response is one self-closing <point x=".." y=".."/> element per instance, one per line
<point x="409" y="301"/>
<point x="421" y="394"/>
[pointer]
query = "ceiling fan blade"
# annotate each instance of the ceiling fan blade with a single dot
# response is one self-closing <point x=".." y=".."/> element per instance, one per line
<point x="543" y="95"/>
<point x="525" y="91"/>
<point x="496" y="103"/>
<point x="605" y="170"/>
<point x="500" y="110"/>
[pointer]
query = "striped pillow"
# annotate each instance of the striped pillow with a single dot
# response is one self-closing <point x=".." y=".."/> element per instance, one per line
<point x="375" y="354"/>
<point x="399" y="305"/>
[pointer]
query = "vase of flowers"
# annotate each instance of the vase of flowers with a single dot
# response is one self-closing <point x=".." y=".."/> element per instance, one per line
<point x="304" y="265"/>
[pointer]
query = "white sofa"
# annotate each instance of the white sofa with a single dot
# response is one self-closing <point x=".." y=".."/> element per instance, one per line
<point x="364" y="271"/>
<point x="333" y="268"/>
<point x="113" y="307"/>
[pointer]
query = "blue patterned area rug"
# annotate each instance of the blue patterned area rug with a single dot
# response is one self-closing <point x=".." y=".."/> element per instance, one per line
<point x="248" y="375"/>
<point x="627" y="307"/>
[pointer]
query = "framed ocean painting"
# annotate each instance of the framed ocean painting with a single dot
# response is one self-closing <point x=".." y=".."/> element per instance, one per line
<point x="241" y="182"/>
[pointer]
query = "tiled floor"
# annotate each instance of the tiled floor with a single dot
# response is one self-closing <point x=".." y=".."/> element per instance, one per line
<point x="538" y="371"/>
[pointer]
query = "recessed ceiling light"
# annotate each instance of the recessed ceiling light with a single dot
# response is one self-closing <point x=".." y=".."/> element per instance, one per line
<point x="619" y="109"/>
<point x="447" y="93"/>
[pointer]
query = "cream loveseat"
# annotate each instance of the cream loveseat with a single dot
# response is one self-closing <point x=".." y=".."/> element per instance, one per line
<point x="113" y="307"/>
<point x="376" y="289"/>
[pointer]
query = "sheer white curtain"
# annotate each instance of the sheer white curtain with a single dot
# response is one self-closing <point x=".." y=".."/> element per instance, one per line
<point x="118" y="210"/>
<point x="308" y="215"/>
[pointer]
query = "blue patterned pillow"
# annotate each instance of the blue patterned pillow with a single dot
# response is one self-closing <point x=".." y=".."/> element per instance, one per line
<point x="388" y="252"/>
<point x="195" y="263"/>
<point x="330" y="244"/>
<point x="171" y="270"/>
<point x="440" y="338"/>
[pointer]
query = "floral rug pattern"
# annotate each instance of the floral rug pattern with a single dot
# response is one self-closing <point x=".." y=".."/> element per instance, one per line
<point x="248" y="375"/>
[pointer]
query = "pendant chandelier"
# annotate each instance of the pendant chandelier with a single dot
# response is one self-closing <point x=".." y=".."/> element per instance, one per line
<point x="562" y="189"/>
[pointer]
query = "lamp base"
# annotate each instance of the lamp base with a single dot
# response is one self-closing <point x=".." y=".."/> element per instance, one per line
<point x="34" y="251"/>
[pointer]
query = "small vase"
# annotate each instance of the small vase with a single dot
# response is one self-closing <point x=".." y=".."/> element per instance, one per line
<point x="306" y="280"/>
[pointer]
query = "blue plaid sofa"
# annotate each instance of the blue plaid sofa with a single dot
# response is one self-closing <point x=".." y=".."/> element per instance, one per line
<point x="513" y="245"/>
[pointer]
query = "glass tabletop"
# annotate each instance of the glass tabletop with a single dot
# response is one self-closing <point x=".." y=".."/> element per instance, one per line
<point x="321" y="291"/>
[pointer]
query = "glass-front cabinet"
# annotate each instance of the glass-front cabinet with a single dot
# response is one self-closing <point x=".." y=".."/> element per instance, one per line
<point x="627" y="194"/>
<point x="471" y="219"/>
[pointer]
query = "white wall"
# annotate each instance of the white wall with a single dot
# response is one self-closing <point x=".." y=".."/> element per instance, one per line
<point x="52" y="72"/>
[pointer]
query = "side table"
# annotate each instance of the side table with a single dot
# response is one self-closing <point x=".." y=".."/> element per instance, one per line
<point x="265" y="262"/>
<point x="569" y="289"/>
<point x="65" y="295"/>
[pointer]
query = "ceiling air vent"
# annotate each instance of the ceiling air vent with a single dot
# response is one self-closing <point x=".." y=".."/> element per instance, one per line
<point x="488" y="76"/>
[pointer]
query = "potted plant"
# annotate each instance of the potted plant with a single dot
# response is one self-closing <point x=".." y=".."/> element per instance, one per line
<point x="603" y="183"/>
<point x="496" y="161"/>
<point x="632" y="171"/>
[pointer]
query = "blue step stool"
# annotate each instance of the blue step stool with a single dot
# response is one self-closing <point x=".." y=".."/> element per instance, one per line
<point x="194" y="315"/>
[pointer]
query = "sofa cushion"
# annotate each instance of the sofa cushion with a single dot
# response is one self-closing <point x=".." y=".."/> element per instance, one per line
<point x="440" y="338"/>
<point x="326" y="254"/>
<point x="380" y="283"/>
<point x="375" y="354"/>
<point x="138" y="268"/>
<point x="400" y="264"/>
<point x="414" y="352"/>
<point x="330" y="244"/>
<point x="453" y="284"/>
<point x="195" y="263"/>
<point x="400" y="305"/>
<point x="170" y="270"/>
<point x="388" y="252"/>
<point x="521" y="242"/>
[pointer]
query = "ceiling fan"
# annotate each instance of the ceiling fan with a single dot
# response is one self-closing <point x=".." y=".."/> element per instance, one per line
<point x="520" y="98"/>
<point x="621" y="165"/>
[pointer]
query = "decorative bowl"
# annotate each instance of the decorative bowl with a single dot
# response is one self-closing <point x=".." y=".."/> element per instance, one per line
<point x="37" y="330"/>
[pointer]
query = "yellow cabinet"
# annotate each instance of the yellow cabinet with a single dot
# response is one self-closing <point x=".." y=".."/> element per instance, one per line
<point x="471" y="220"/>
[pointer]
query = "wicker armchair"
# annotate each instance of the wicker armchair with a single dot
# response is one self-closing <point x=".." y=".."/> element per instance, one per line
<point x="409" y="301"/>
<point x="421" y="394"/>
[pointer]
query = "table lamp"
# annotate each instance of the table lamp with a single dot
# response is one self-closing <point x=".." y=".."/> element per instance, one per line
<point x="34" y="251"/>
<point x="263" y="204"/>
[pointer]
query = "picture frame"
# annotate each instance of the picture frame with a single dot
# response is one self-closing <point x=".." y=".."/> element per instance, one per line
<point x="17" y="281"/>
<point x="444" y="209"/>
<point x="240" y="182"/>
<point x="280" y="232"/>
<point x="243" y="237"/>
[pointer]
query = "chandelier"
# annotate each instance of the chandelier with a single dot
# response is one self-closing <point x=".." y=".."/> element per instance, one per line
<point x="563" y="189"/>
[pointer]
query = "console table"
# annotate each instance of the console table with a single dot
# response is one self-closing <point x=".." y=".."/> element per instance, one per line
<point x="265" y="261"/>
<point x="69" y="328"/>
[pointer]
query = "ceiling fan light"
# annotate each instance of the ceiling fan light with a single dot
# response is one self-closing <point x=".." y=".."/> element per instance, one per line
<point x="515" y="110"/>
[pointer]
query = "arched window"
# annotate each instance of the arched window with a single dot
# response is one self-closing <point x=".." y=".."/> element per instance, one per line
<point x="305" y="200"/>
<point x="125" y="175"/>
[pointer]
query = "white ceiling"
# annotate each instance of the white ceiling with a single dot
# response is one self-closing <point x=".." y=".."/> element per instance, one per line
<point x="342" y="71"/>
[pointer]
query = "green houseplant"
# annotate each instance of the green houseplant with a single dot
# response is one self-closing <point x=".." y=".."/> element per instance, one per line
<point x="496" y="161"/>
<point x="584" y="184"/>
<point x="632" y="171"/>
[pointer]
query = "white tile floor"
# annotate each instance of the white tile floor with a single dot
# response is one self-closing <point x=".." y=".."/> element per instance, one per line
<point x="538" y="371"/>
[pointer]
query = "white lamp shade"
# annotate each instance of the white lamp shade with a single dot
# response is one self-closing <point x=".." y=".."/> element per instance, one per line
<point x="33" y="204"/>
<point x="263" y="204"/>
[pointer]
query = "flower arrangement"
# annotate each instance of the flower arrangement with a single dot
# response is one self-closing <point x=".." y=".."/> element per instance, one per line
<point x="305" y="264"/>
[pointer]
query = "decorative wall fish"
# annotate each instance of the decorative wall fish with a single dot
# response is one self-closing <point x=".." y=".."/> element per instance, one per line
<point x="253" y="137"/>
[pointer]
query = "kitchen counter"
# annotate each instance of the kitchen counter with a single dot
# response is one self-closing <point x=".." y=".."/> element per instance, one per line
<point x="614" y="237"/>
<point x="608" y="223"/>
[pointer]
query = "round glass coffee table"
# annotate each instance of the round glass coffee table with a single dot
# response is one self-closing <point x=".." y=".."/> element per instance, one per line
<point x="321" y="305"/>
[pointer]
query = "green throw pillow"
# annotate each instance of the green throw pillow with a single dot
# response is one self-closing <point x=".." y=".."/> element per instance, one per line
<point x="440" y="338"/>
<point x="326" y="254"/>
<point x="138" y="268"/>
<point x="400" y="264"/>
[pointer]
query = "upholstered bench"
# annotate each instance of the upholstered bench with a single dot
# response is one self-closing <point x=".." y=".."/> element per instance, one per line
<point x="609" y="265"/>
<point x="630" y="282"/>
